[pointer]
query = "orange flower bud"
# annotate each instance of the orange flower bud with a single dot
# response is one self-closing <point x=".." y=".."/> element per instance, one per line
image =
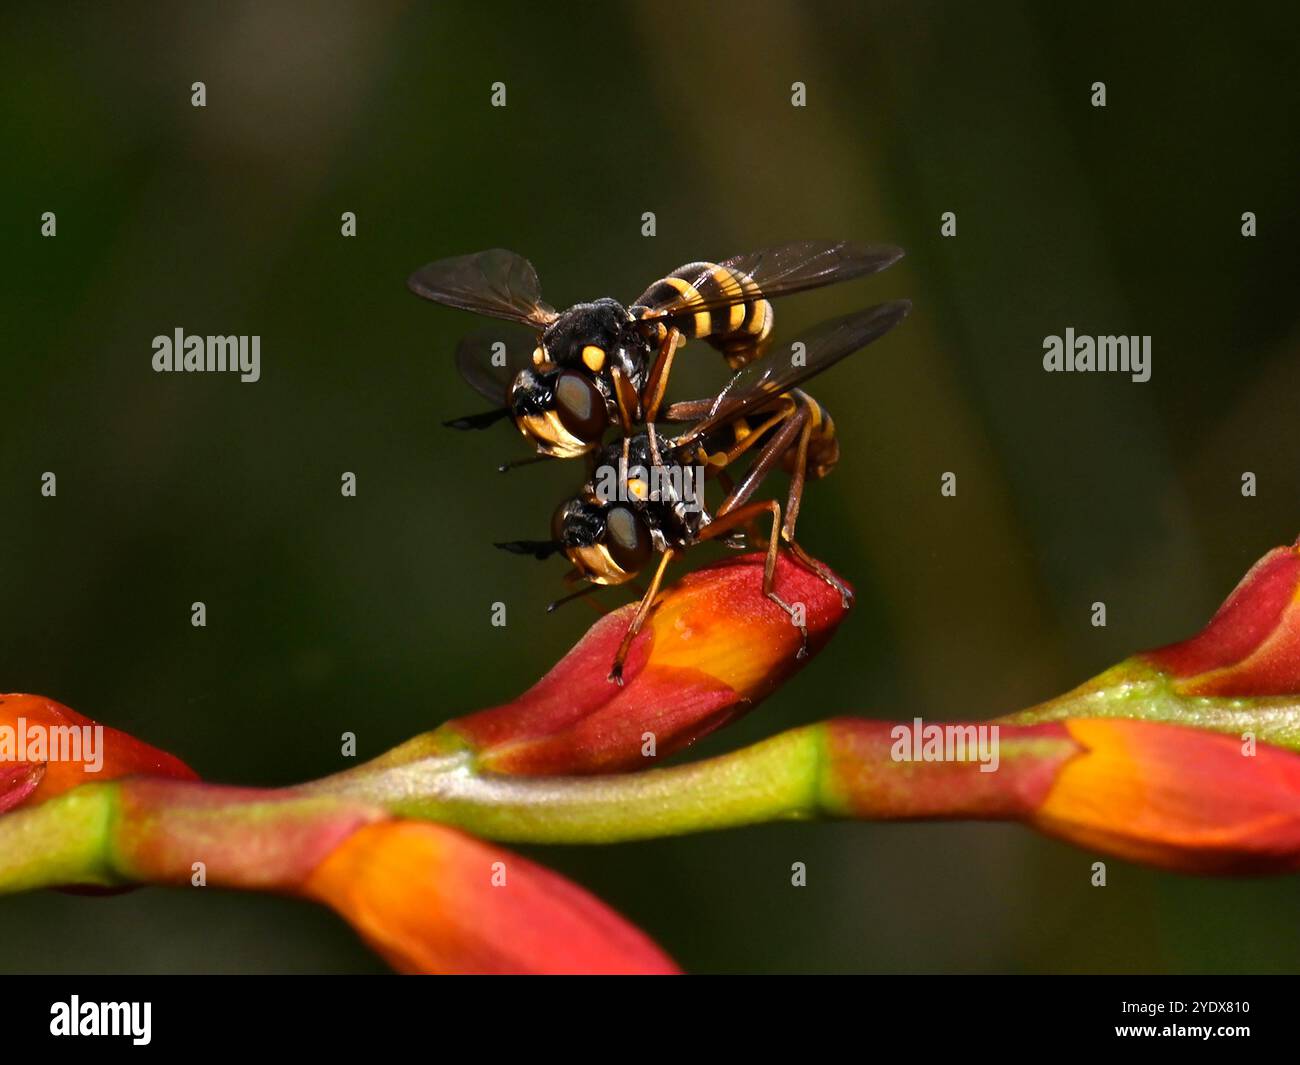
<point x="1177" y="797"/>
<point x="713" y="647"/>
<point x="430" y="899"/>
<point x="47" y="748"/>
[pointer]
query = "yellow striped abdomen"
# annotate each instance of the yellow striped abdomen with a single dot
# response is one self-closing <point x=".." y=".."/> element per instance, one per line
<point x="741" y="329"/>
<point x="823" y="446"/>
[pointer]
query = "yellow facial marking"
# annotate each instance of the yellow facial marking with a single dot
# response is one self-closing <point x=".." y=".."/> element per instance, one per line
<point x="593" y="358"/>
<point x="549" y="434"/>
<point x="638" y="489"/>
<point x="539" y="356"/>
<point x="597" y="566"/>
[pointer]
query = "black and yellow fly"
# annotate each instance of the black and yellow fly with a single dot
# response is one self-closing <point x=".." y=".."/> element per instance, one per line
<point x="644" y="497"/>
<point x="600" y="365"/>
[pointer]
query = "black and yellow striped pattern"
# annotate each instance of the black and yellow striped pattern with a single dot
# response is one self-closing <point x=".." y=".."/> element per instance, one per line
<point x="740" y="330"/>
<point x="823" y="447"/>
<point x="748" y="433"/>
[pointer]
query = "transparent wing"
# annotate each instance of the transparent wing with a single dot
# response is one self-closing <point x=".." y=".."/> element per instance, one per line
<point x="786" y="366"/>
<point x="490" y="359"/>
<point x="774" y="271"/>
<point x="496" y="282"/>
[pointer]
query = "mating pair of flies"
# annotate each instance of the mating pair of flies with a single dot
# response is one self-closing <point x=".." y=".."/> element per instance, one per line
<point x="601" y="365"/>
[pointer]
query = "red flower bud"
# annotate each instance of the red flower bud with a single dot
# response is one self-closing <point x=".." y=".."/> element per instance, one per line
<point x="1177" y="797"/>
<point x="1167" y="795"/>
<point x="430" y="899"/>
<point x="713" y="647"/>
<point x="46" y="748"/>
<point x="1252" y="644"/>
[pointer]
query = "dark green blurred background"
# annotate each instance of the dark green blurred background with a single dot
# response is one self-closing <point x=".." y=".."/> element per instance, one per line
<point x="327" y="614"/>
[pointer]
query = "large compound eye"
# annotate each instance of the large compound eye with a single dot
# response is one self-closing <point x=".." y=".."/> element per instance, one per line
<point x="580" y="406"/>
<point x="627" y="539"/>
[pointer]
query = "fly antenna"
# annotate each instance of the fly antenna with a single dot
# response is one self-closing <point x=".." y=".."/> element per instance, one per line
<point x="552" y="607"/>
<point x="506" y="467"/>
<point x="478" y="421"/>
<point x="539" y="549"/>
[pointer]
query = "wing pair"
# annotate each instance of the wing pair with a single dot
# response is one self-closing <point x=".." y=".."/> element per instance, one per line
<point x="501" y="284"/>
<point x="782" y="369"/>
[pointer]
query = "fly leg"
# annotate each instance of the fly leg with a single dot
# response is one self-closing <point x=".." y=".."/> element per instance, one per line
<point x="742" y="515"/>
<point x="638" y="619"/>
<point x="659" y="373"/>
<point x="797" y="480"/>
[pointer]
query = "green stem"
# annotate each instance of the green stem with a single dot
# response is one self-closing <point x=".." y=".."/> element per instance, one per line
<point x="777" y="779"/>
<point x="95" y="836"/>
<point x="60" y="842"/>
